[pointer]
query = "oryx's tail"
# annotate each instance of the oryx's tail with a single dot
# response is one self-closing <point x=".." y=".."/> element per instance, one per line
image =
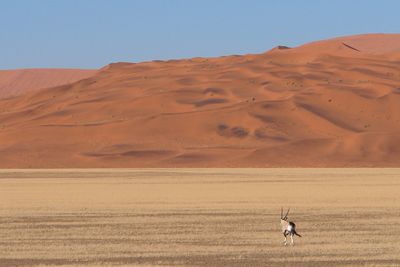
<point x="297" y="234"/>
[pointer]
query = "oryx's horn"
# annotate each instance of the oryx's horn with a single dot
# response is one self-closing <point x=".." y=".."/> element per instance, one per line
<point x="287" y="213"/>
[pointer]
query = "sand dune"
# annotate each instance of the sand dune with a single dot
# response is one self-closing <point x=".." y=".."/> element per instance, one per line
<point x="16" y="82"/>
<point x="327" y="103"/>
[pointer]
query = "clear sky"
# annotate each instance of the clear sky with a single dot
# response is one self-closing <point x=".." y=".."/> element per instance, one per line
<point x="93" y="33"/>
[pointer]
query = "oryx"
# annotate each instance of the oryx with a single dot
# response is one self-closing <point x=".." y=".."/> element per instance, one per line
<point x="288" y="228"/>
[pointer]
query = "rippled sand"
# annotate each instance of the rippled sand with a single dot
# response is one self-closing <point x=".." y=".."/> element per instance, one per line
<point x="198" y="217"/>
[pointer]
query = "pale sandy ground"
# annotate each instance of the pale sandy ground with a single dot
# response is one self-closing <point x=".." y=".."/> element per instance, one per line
<point x="198" y="217"/>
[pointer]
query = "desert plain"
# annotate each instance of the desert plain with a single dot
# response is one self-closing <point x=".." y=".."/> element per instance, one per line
<point x="198" y="217"/>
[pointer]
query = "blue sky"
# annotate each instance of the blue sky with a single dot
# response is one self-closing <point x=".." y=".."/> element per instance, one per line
<point x="93" y="33"/>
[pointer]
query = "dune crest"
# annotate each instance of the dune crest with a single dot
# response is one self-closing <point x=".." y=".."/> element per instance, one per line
<point x="331" y="103"/>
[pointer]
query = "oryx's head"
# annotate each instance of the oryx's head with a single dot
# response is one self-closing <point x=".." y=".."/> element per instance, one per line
<point x="284" y="218"/>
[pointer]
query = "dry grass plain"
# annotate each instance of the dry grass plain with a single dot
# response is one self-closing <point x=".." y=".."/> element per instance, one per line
<point x="198" y="217"/>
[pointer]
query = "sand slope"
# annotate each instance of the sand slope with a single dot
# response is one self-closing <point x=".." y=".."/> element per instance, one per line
<point x="327" y="103"/>
<point x="16" y="82"/>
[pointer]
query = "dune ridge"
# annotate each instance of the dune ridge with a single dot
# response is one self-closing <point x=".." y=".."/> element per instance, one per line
<point x="331" y="103"/>
<point x="16" y="82"/>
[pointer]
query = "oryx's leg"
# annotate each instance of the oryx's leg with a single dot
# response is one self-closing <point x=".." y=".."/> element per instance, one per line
<point x="291" y="237"/>
<point x="285" y="240"/>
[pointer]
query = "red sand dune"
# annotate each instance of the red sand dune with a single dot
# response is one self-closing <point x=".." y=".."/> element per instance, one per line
<point x="16" y="82"/>
<point x="328" y="103"/>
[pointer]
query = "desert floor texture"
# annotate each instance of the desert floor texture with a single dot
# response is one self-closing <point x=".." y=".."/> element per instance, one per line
<point x="198" y="217"/>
